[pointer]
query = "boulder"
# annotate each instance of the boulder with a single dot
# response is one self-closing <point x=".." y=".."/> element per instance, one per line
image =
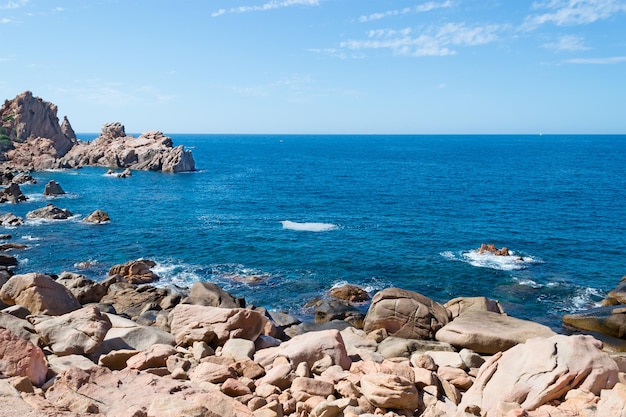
<point x="489" y="332"/>
<point x="49" y="212"/>
<point x="85" y="290"/>
<point x="209" y="294"/>
<point x="398" y="347"/>
<point x="53" y="188"/>
<point x="12" y="194"/>
<point x="136" y="272"/>
<point x="349" y="292"/>
<point x="7" y="260"/>
<point x="78" y="332"/>
<point x="39" y="293"/>
<point x="133" y="393"/>
<point x="11" y="220"/>
<point x="154" y="357"/>
<point x="460" y="305"/>
<point x="539" y="371"/>
<point x="132" y="300"/>
<point x="20" y="328"/>
<point x="327" y="311"/>
<point x="308" y="348"/>
<point x="390" y="391"/>
<point x="610" y="320"/>
<point x="19" y="357"/>
<point x="616" y="295"/>
<point x="405" y="314"/>
<point x="127" y="335"/>
<point x="491" y="248"/>
<point x="97" y="217"/>
<point x="214" y="325"/>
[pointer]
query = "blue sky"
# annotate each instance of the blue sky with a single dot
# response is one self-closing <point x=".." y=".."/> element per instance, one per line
<point x="322" y="66"/>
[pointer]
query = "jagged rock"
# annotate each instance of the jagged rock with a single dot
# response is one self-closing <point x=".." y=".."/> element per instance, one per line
<point x="491" y="248"/>
<point x="10" y="219"/>
<point x="209" y="294"/>
<point x="12" y="194"/>
<point x="53" y="188"/>
<point x="616" y="295"/>
<point x="150" y="151"/>
<point x="97" y="217"/>
<point x="136" y="272"/>
<point x="348" y="292"/>
<point x="610" y="320"/>
<point x="49" y="212"/>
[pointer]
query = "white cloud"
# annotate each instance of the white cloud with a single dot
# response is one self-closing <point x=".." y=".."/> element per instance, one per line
<point x="13" y="4"/>
<point x="270" y="5"/>
<point x="597" y="61"/>
<point x="5" y="20"/>
<point x="567" y="43"/>
<point x="434" y="42"/>
<point x="421" y="8"/>
<point x="573" y="12"/>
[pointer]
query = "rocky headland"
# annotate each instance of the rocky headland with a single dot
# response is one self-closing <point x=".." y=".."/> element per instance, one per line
<point x="31" y="138"/>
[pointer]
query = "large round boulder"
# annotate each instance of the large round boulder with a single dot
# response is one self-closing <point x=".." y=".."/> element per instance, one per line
<point x="406" y="314"/>
<point x="39" y="293"/>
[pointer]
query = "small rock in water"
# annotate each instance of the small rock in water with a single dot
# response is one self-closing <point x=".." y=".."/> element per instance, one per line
<point x="97" y="217"/>
<point x="491" y="248"/>
<point x="53" y="188"/>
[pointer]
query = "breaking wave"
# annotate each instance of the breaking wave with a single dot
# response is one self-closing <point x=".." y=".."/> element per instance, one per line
<point x="308" y="227"/>
<point x="511" y="262"/>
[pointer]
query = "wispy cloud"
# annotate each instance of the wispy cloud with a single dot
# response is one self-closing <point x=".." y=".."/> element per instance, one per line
<point x="13" y="4"/>
<point x="439" y="41"/>
<point x="597" y="61"/>
<point x="296" y="83"/>
<point x="567" y="43"/>
<point x="573" y="12"/>
<point x="270" y="5"/>
<point x="422" y="8"/>
<point x="5" y="20"/>
<point x="337" y="53"/>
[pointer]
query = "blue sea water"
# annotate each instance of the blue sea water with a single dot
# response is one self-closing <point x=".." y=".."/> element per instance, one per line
<point x="282" y="219"/>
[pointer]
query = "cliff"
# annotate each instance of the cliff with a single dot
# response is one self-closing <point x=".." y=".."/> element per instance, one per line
<point x="31" y="137"/>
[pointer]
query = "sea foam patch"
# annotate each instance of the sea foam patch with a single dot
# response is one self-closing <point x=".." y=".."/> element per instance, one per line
<point x="308" y="227"/>
<point x="511" y="262"/>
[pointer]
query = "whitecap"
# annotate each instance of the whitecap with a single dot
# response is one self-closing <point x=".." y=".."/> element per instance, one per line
<point x="512" y="262"/>
<point x="31" y="238"/>
<point x="179" y="274"/>
<point x="308" y="227"/>
<point x="527" y="282"/>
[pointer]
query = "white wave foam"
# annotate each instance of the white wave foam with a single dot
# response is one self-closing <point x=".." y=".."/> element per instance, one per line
<point x="308" y="227"/>
<point x="178" y="274"/>
<point x="39" y="222"/>
<point x="511" y="262"/>
<point x="31" y="238"/>
<point x="527" y="282"/>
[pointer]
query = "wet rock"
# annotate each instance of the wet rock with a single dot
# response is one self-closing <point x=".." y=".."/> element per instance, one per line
<point x="97" y="217"/>
<point x="617" y="295"/>
<point x="7" y="260"/>
<point x="49" y="212"/>
<point x="53" y="188"/>
<point x="327" y="311"/>
<point x="349" y="292"/>
<point x="405" y="314"/>
<point x="12" y="194"/>
<point x="491" y="248"/>
<point x="11" y="220"/>
<point x="209" y="294"/>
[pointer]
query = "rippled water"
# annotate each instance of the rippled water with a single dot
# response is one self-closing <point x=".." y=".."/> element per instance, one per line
<point x="281" y="219"/>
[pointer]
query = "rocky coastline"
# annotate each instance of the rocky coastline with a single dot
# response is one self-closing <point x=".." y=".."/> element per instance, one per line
<point x="31" y="138"/>
<point x="123" y="346"/>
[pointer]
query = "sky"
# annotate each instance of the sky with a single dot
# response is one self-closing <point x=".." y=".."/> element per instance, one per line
<point x="322" y="66"/>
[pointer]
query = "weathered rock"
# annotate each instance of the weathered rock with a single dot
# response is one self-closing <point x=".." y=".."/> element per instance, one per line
<point x="154" y="357"/>
<point x="539" y="371"/>
<point x="613" y="402"/>
<point x="49" y="212"/>
<point x="150" y="151"/>
<point x="20" y="328"/>
<point x="349" y="292"/>
<point x="136" y="272"/>
<point x="331" y="310"/>
<point x="617" y="295"/>
<point x="7" y="260"/>
<point x="489" y="332"/>
<point x="134" y="393"/>
<point x="309" y="348"/>
<point x="396" y="347"/>
<point x="58" y="364"/>
<point x="39" y="293"/>
<point x="209" y="294"/>
<point x="85" y="290"/>
<point x="190" y="323"/>
<point x="390" y="391"/>
<point x="405" y="314"/>
<point x="610" y="320"/>
<point x="128" y="335"/>
<point x="11" y="220"/>
<point x="53" y="188"/>
<point x="19" y="357"/>
<point x="97" y="217"/>
<point x="78" y="332"/>
<point x="211" y="372"/>
<point x="12" y="194"/>
<point x="491" y="248"/>
<point x="460" y="305"/>
<point x="238" y="349"/>
<point x="132" y="300"/>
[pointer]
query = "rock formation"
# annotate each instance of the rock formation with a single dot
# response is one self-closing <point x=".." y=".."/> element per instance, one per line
<point x="32" y="138"/>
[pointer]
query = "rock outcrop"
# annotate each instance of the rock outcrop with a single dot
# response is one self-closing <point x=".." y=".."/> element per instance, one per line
<point x="152" y="151"/>
<point x="31" y="137"/>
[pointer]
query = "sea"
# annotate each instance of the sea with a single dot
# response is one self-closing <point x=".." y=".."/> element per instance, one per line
<point x="282" y="219"/>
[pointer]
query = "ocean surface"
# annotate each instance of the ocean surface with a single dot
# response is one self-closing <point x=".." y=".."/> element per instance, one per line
<point x="280" y="220"/>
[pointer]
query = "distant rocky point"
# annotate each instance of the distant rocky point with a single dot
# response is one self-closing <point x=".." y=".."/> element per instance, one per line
<point x="31" y="137"/>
